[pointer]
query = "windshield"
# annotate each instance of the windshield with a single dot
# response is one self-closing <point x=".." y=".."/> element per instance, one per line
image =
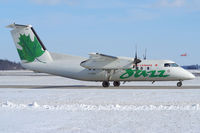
<point x="170" y="65"/>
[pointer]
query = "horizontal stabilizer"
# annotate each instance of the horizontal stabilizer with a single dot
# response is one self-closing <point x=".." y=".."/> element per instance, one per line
<point x="17" y="26"/>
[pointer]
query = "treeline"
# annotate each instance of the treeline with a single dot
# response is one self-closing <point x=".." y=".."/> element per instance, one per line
<point x="9" y="65"/>
<point x="192" y="67"/>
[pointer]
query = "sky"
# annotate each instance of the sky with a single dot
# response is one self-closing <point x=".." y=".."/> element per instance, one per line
<point x="166" y="28"/>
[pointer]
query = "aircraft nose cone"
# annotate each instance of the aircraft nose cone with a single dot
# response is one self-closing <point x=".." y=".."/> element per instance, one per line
<point x="189" y="76"/>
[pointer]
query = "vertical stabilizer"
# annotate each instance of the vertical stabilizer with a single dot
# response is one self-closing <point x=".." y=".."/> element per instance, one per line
<point x="29" y="46"/>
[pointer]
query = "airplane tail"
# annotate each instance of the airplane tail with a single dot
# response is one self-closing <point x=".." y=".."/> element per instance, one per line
<point x="29" y="46"/>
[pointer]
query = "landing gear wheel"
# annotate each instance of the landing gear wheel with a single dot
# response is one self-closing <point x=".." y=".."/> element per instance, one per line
<point x="179" y="84"/>
<point x="116" y="83"/>
<point x="105" y="84"/>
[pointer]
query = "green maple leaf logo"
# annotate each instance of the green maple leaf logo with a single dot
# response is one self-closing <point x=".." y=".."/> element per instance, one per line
<point x="30" y="49"/>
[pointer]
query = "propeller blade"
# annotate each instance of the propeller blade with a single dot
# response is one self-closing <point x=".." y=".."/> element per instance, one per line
<point x="145" y="54"/>
<point x="136" y="60"/>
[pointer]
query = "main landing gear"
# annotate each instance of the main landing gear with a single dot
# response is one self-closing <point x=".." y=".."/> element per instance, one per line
<point x="116" y="83"/>
<point x="107" y="83"/>
<point x="179" y="84"/>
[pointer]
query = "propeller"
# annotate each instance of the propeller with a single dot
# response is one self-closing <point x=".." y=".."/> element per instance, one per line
<point x="145" y="54"/>
<point x="136" y="60"/>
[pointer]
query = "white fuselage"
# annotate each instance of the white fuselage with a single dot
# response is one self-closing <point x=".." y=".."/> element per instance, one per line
<point x="148" y="70"/>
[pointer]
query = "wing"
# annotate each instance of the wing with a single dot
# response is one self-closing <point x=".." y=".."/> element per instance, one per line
<point x="106" y="62"/>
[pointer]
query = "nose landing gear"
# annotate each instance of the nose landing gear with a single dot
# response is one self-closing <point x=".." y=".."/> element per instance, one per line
<point x="179" y="84"/>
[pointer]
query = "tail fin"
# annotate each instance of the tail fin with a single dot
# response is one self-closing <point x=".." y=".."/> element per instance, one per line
<point x="29" y="46"/>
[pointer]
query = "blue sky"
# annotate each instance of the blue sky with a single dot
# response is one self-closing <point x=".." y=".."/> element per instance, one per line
<point x="167" y="28"/>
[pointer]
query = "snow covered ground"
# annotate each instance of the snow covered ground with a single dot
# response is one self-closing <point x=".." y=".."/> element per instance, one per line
<point x="95" y="110"/>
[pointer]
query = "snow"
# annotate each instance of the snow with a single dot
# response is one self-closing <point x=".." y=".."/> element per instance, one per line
<point x="91" y="107"/>
<point x="75" y="110"/>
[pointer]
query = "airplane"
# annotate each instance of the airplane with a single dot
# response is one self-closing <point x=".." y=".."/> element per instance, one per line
<point x="98" y="67"/>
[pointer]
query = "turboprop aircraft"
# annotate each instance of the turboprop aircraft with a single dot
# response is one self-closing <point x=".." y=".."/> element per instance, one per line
<point x="98" y="67"/>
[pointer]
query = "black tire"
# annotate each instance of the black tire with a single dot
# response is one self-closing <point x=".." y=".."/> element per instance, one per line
<point x="116" y="83"/>
<point x="105" y="84"/>
<point x="179" y="84"/>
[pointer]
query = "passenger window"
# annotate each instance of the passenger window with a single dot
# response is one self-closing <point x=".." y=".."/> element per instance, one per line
<point x="147" y="68"/>
<point x="141" y="68"/>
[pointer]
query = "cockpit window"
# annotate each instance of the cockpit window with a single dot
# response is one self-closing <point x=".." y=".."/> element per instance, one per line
<point x="170" y="65"/>
<point x="167" y="65"/>
<point x="174" y="65"/>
